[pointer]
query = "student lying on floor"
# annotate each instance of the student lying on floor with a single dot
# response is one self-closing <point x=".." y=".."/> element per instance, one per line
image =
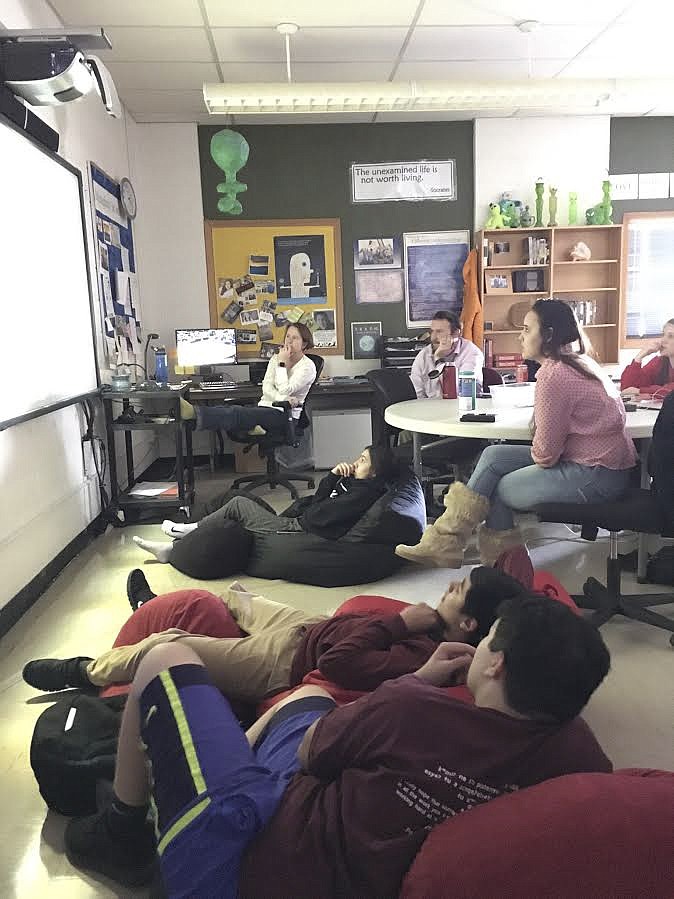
<point x="356" y="651"/>
<point x="342" y="497"/>
<point x="320" y="803"/>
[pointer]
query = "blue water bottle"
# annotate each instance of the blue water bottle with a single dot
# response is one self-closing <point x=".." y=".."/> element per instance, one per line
<point x="467" y="392"/>
<point x="160" y="365"/>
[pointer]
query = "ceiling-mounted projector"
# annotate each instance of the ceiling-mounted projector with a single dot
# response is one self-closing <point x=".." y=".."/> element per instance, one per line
<point x="52" y="67"/>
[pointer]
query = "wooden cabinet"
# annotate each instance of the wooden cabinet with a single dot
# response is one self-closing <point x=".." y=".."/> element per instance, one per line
<point x="515" y="270"/>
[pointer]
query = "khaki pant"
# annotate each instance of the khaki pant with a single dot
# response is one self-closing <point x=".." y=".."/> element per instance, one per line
<point x="245" y="668"/>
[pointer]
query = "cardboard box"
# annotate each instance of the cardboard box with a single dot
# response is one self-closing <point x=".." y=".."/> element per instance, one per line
<point x="248" y="463"/>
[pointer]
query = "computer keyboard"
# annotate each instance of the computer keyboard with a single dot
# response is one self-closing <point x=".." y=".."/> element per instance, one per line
<point x="216" y="385"/>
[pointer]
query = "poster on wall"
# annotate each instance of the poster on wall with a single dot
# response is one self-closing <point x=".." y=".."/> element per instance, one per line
<point x="434" y="263"/>
<point x="366" y="339"/>
<point x="300" y="269"/>
<point x="325" y="328"/>
<point x="380" y="286"/>
<point x="383" y="182"/>
<point x="377" y="252"/>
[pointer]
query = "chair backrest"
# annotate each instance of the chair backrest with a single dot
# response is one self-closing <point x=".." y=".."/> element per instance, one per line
<point x="303" y="421"/>
<point x="490" y="378"/>
<point x="390" y="385"/>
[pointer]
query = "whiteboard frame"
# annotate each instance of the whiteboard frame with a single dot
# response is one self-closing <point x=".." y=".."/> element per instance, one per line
<point x="73" y="400"/>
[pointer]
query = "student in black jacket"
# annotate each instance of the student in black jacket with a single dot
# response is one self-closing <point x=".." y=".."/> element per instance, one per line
<point x="343" y="496"/>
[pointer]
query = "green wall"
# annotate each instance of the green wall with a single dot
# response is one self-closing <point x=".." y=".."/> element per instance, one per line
<point x="302" y="171"/>
<point x="642" y="144"/>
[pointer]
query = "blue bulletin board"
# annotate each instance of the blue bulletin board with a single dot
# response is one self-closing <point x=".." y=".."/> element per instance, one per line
<point x="116" y="270"/>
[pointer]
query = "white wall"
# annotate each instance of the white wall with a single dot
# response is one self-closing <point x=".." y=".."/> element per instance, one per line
<point x="570" y="153"/>
<point x="48" y="484"/>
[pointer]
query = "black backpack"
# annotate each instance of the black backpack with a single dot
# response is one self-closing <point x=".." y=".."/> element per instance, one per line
<point x="74" y="746"/>
<point x="661" y="463"/>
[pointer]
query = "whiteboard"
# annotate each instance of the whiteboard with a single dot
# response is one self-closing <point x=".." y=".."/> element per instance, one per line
<point x="47" y="353"/>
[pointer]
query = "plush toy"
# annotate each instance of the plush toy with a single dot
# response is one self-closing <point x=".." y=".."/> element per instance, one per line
<point x="495" y="219"/>
<point x="540" y="190"/>
<point x="573" y="208"/>
<point x="526" y="218"/>
<point x="552" y="206"/>
<point x="508" y="214"/>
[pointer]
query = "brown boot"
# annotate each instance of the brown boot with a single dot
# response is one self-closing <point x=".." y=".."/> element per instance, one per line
<point x="443" y="543"/>
<point x="493" y="543"/>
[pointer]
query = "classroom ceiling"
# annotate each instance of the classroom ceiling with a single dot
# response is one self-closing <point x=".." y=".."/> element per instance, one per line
<point x="164" y="50"/>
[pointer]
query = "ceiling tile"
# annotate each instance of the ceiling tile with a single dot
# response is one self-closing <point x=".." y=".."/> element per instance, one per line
<point x="496" y="43"/>
<point x="158" y="102"/>
<point x="310" y="44"/>
<point x="503" y="12"/>
<point x="253" y="71"/>
<point x="158" y="45"/>
<point x="311" y="13"/>
<point x="636" y="49"/>
<point x="151" y="76"/>
<point x="460" y="115"/>
<point x="129" y="12"/>
<point x="341" y="71"/>
<point x="638" y="66"/>
<point x="654" y="12"/>
<point x="477" y="71"/>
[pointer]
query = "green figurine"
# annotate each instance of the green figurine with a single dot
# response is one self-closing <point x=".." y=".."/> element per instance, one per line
<point x="603" y="212"/>
<point x="495" y="219"/>
<point x="573" y="208"/>
<point x="229" y="151"/>
<point x="526" y="218"/>
<point x="590" y="216"/>
<point x="540" y="190"/>
<point x="552" y="206"/>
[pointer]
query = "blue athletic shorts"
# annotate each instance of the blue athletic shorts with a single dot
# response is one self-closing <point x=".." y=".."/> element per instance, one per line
<point x="211" y="792"/>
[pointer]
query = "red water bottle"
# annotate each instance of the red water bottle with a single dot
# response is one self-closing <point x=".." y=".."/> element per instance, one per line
<point x="449" y="382"/>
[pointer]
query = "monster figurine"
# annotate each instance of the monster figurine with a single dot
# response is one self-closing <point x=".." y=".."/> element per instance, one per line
<point x="229" y="151"/>
<point x="607" y="208"/>
<point x="590" y="216"/>
<point x="573" y="208"/>
<point x="526" y="218"/>
<point x="552" y="205"/>
<point x="540" y="190"/>
<point x="495" y="219"/>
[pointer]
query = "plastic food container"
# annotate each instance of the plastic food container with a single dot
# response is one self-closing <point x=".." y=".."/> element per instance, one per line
<point x="513" y="396"/>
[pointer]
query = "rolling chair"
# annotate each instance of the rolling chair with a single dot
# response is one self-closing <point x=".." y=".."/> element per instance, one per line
<point x="267" y="445"/>
<point x="490" y="378"/>
<point x="638" y="510"/>
<point x="392" y="385"/>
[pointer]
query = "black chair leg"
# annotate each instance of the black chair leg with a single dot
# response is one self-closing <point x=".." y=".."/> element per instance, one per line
<point x="605" y="603"/>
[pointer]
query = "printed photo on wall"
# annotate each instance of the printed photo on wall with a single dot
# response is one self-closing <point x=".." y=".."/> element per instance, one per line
<point x="265" y="331"/>
<point x="377" y="252"/>
<point x="365" y="339"/>
<point x="231" y="313"/>
<point x="258" y="264"/>
<point x="250" y="317"/>
<point x="380" y="286"/>
<point x="226" y="288"/>
<point x="324" y="330"/>
<point x="245" y="335"/>
<point x="300" y="268"/>
<point x="269" y="349"/>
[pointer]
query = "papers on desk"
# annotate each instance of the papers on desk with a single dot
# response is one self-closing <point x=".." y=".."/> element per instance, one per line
<point x="154" y="488"/>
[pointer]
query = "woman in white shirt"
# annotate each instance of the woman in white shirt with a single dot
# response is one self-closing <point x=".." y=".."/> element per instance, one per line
<point x="289" y="376"/>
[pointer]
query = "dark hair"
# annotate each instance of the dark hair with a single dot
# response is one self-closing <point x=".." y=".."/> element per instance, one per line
<point x="559" y="328"/>
<point x="663" y="374"/>
<point x="488" y="589"/>
<point x="305" y="334"/>
<point x="384" y="463"/>
<point x="451" y="317"/>
<point x="554" y="659"/>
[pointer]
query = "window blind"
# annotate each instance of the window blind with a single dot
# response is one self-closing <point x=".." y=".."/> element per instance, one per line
<point x="650" y="275"/>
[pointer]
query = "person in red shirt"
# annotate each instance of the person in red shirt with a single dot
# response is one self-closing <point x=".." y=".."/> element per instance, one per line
<point x="655" y="379"/>
<point x="320" y="803"/>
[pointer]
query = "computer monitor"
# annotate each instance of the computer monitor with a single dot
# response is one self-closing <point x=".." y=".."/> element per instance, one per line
<point x="206" y="346"/>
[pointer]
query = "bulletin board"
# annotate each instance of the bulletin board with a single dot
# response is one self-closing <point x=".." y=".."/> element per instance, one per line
<point x="116" y="270"/>
<point x="265" y="275"/>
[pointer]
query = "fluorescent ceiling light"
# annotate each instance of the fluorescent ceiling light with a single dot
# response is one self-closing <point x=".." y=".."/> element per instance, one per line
<point x="431" y="96"/>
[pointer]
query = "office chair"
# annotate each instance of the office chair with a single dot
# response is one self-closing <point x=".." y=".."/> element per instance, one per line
<point x="267" y="445"/>
<point x="490" y="378"/>
<point x="638" y="510"/>
<point x="392" y="385"/>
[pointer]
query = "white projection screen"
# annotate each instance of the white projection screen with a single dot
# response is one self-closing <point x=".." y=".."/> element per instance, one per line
<point x="47" y="353"/>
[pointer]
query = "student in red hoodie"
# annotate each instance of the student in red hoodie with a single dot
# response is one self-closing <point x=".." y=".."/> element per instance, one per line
<point x="657" y="377"/>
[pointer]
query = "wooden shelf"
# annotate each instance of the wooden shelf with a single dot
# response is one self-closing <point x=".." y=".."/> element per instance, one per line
<point x="580" y="290"/>
<point x="584" y="262"/>
<point x="519" y="330"/>
<point x="585" y="327"/>
<point x="490" y="268"/>
<point x="524" y="293"/>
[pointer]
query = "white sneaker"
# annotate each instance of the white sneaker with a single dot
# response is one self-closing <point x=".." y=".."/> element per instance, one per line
<point x="174" y="530"/>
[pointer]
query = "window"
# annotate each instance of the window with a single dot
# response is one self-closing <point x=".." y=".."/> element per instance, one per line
<point x="649" y="281"/>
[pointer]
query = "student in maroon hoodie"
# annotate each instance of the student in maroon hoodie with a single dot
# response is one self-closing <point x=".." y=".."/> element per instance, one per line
<point x="325" y="803"/>
<point x="355" y="651"/>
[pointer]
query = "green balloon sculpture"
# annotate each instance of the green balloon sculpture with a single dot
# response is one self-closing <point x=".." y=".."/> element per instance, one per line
<point x="229" y="151"/>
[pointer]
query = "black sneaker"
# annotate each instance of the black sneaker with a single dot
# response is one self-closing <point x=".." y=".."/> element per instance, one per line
<point x="137" y="589"/>
<point x="128" y="858"/>
<point x="57" y="674"/>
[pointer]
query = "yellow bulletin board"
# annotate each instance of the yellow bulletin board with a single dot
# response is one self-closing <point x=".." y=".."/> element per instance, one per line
<point x="284" y="269"/>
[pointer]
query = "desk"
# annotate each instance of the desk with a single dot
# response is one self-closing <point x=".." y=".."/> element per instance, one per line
<point x="441" y="417"/>
<point x="351" y="394"/>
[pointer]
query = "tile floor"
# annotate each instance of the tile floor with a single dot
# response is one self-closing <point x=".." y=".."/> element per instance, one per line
<point x="82" y="611"/>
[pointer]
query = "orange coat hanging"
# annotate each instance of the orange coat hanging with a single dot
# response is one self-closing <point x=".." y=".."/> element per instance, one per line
<point x="472" y="317"/>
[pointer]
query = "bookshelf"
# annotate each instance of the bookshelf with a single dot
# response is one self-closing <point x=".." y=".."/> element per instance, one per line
<point x="509" y="261"/>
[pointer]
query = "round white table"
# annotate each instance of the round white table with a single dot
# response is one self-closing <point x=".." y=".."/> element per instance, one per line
<point x="441" y="418"/>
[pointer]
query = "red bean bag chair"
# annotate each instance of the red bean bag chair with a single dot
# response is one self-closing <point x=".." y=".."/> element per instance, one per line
<point x="604" y="836"/>
<point x="196" y="611"/>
